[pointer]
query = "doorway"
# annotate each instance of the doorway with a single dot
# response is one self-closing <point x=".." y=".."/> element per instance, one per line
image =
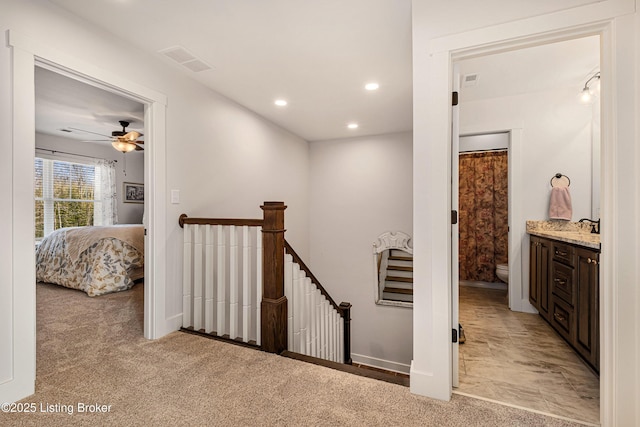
<point x="26" y="54"/>
<point x="541" y="105"/>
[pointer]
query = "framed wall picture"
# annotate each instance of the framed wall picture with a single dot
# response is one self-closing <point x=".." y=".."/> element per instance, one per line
<point x="133" y="193"/>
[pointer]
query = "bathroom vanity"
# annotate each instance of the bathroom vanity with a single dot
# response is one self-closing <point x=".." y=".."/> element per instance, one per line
<point x="563" y="282"/>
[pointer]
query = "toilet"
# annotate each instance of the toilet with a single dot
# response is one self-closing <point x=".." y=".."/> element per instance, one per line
<point x="502" y="271"/>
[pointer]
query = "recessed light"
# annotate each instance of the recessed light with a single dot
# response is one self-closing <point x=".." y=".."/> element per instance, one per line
<point x="371" y="86"/>
<point x="352" y="126"/>
<point x="280" y="102"/>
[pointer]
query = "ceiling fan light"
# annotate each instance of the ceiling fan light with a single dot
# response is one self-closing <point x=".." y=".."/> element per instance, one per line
<point x="131" y="136"/>
<point x="123" y="146"/>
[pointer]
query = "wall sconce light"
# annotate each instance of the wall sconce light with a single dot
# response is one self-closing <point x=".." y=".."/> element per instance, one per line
<point x="587" y="94"/>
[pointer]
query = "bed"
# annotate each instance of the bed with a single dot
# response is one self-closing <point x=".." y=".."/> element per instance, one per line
<point x="96" y="260"/>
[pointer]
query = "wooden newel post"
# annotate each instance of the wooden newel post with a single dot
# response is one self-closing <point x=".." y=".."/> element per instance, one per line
<point x="345" y="307"/>
<point x="273" y="317"/>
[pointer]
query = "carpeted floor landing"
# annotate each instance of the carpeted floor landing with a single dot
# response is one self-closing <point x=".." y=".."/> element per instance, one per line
<point x="90" y="351"/>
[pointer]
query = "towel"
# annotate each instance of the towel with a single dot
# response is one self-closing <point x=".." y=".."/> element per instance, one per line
<point x="560" y="203"/>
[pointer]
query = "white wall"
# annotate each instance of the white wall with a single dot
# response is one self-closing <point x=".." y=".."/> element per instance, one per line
<point x="556" y="137"/>
<point x="360" y="188"/>
<point x="128" y="213"/>
<point x="224" y="159"/>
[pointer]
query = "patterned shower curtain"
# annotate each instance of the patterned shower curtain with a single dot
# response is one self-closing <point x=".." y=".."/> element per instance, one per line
<point x="483" y="223"/>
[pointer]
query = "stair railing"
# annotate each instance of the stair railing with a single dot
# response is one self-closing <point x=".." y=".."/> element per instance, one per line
<point x="317" y="326"/>
<point x="234" y="288"/>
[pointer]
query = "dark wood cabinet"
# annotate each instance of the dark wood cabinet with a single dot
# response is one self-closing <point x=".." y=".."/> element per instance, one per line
<point x="539" y="274"/>
<point x="587" y="325"/>
<point x="563" y="287"/>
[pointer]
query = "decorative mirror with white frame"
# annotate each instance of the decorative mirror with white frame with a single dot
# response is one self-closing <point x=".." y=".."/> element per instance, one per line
<point x="393" y="269"/>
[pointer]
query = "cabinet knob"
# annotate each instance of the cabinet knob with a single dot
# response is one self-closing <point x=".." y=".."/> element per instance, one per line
<point x="588" y="260"/>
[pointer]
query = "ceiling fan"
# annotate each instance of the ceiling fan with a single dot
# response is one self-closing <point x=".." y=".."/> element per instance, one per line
<point x="122" y="140"/>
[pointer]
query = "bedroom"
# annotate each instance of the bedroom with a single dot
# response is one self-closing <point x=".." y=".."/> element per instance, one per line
<point x="82" y="180"/>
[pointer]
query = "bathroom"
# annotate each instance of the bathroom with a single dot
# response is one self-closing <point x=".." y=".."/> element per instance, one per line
<point x="530" y="100"/>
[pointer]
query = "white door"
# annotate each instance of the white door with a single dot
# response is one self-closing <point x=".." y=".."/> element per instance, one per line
<point x="455" y="135"/>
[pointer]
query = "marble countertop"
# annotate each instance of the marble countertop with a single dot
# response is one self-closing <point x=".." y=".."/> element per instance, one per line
<point x="570" y="232"/>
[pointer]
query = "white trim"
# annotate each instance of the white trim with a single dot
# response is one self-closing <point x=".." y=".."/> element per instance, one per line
<point x="518" y="244"/>
<point x="388" y="365"/>
<point x="23" y="275"/>
<point x="26" y="54"/>
<point x="543" y="28"/>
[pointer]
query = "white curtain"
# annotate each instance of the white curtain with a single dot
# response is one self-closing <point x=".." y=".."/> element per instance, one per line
<point x="106" y="207"/>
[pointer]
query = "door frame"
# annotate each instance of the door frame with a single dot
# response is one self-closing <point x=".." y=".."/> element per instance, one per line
<point x="518" y="247"/>
<point x="26" y="54"/>
<point x="458" y="49"/>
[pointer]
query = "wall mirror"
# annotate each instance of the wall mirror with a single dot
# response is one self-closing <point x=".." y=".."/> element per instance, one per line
<point x="393" y="269"/>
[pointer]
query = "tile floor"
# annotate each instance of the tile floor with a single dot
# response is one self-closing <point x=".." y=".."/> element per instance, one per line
<point x="518" y="359"/>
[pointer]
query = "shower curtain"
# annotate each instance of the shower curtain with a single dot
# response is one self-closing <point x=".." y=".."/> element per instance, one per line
<point x="483" y="223"/>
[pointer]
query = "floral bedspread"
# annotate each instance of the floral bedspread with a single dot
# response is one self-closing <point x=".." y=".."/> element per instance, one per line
<point x="105" y="266"/>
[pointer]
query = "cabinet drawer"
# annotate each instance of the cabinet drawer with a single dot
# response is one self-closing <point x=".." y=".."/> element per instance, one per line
<point x="562" y="282"/>
<point x="564" y="253"/>
<point x="562" y="318"/>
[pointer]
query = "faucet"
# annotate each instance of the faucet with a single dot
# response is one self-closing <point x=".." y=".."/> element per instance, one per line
<point x="595" y="225"/>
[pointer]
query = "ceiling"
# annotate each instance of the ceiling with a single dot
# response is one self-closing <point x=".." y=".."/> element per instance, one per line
<point x="316" y="55"/>
<point x="69" y="108"/>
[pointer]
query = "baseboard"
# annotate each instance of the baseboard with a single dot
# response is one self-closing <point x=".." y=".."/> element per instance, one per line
<point x="380" y="363"/>
<point x="485" y="285"/>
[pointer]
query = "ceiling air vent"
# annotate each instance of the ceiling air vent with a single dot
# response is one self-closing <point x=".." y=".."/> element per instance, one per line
<point x="469" y="80"/>
<point x="185" y="58"/>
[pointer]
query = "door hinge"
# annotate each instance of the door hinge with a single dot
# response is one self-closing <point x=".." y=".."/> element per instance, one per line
<point x="145" y="231"/>
<point x="454" y="217"/>
<point x="454" y="98"/>
<point x="454" y="335"/>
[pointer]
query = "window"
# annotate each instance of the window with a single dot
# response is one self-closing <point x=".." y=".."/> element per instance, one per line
<point x="68" y="195"/>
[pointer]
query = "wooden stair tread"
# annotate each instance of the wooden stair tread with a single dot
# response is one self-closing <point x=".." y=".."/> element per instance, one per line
<point x="398" y="291"/>
<point x="400" y="279"/>
<point x="401" y="258"/>
<point x="400" y="268"/>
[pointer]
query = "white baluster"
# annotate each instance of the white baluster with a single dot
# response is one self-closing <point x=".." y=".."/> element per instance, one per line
<point x="312" y="320"/>
<point x="288" y="292"/>
<point x="233" y="282"/>
<point x="258" y="283"/>
<point x="336" y="327"/>
<point x="340" y="340"/>
<point x="186" y="278"/>
<point x="209" y="306"/>
<point x="297" y="309"/>
<point x="308" y="312"/>
<point x="246" y="284"/>
<point x="331" y="336"/>
<point x="318" y="321"/>
<point x="197" y="277"/>
<point x="303" y="313"/>
<point x="324" y="334"/>
<point x="220" y="283"/>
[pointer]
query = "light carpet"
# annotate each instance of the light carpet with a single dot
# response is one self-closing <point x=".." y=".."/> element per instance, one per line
<point x="91" y="351"/>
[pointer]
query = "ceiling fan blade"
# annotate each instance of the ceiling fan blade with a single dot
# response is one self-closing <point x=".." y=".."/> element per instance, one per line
<point x="88" y="131"/>
<point x="138" y="148"/>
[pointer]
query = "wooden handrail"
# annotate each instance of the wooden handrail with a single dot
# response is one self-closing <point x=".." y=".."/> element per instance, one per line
<point x="184" y="219"/>
<point x="303" y="267"/>
<point x="344" y="309"/>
